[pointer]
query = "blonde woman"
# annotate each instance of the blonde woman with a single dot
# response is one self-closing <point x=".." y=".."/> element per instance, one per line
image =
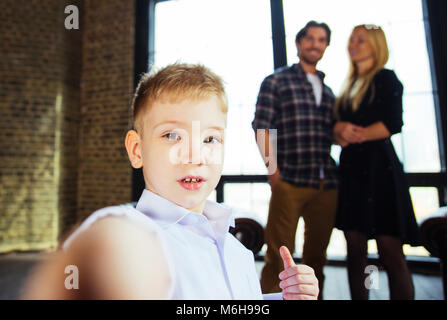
<point x="374" y="201"/>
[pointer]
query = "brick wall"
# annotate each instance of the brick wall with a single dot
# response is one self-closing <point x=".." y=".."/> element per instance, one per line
<point x="64" y="97"/>
<point x="107" y="86"/>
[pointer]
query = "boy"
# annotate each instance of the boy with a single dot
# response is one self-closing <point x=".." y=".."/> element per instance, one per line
<point x="175" y="244"/>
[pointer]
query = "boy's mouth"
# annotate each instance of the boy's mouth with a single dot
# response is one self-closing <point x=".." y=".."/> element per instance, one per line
<point x="191" y="182"/>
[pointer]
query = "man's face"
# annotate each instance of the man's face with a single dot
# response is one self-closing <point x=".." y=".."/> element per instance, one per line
<point x="311" y="47"/>
<point x="182" y="150"/>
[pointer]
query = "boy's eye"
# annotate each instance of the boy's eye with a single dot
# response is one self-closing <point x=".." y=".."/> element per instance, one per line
<point x="211" y="140"/>
<point x="172" y="136"/>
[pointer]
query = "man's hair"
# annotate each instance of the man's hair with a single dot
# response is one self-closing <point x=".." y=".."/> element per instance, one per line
<point x="175" y="83"/>
<point x="302" y="33"/>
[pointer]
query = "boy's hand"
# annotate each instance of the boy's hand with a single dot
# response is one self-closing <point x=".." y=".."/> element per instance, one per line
<point x="298" y="282"/>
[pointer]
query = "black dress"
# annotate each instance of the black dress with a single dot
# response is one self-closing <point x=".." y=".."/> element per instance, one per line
<point x="373" y="194"/>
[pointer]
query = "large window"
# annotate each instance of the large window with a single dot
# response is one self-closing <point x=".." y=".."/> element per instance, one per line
<point x="403" y="24"/>
<point x="220" y="35"/>
<point x="234" y="39"/>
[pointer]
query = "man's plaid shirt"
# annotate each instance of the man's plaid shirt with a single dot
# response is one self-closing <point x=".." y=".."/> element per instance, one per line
<point x="286" y="102"/>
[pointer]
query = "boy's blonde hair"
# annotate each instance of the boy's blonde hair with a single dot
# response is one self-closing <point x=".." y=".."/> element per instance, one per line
<point x="175" y="83"/>
<point x="377" y="39"/>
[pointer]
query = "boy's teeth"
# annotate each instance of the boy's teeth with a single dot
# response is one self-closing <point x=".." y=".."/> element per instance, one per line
<point x="188" y="180"/>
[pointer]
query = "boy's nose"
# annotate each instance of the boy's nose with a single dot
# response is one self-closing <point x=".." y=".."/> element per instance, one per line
<point x="184" y="153"/>
<point x="195" y="143"/>
<point x="194" y="152"/>
<point x="198" y="154"/>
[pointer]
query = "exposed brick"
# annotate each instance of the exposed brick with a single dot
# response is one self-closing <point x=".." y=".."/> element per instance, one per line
<point x="64" y="99"/>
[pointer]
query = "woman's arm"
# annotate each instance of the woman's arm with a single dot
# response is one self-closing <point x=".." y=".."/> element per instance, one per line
<point x="389" y="91"/>
<point x="376" y="131"/>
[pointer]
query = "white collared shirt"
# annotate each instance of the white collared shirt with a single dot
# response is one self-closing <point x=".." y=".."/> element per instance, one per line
<point x="205" y="260"/>
<point x="317" y="87"/>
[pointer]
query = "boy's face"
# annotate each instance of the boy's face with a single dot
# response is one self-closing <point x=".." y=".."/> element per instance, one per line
<point x="181" y="150"/>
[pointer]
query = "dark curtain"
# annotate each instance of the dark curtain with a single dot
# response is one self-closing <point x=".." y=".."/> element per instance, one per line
<point x="436" y="12"/>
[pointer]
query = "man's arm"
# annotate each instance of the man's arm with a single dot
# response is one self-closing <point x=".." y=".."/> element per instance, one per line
<point x="264" y="122"/>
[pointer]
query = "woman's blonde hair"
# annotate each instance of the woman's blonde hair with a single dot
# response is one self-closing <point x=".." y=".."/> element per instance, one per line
<point x="377" y="39"/>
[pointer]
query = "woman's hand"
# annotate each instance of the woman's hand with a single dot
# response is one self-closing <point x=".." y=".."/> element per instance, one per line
<point x="343" y="143"/>
<point x="346" y="133"/>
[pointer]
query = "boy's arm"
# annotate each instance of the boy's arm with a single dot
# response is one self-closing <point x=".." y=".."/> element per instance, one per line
<point x="273" y="296"/>
<point x="115" y="259"/>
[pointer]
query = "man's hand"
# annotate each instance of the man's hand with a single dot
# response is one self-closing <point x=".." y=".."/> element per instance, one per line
<point x="298" y="282"/>
<point x="273" y="179"/>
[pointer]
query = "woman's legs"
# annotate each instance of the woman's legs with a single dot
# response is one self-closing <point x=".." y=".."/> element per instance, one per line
<point x="393" y="259"/>
<point x="357" y="255"/>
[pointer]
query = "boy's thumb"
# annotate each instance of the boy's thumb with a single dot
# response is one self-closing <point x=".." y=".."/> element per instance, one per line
<point x="286" y="257"/>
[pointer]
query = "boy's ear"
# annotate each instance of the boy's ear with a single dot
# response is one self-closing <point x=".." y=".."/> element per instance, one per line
<point x="133" y="147"/>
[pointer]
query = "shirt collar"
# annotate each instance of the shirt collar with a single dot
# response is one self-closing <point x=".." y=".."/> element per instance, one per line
<point x="299" y="70"/>
<point x="166" y="213"/>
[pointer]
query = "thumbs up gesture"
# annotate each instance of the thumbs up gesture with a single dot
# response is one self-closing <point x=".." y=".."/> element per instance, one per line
<point x="298" y="282"/>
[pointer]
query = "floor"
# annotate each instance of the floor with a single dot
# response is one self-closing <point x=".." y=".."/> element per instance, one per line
<point x="14" y="268"/>
<point x="427" y="287"/>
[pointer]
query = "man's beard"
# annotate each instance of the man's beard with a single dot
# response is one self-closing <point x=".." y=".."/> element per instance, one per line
<point x="310" y="61"/>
